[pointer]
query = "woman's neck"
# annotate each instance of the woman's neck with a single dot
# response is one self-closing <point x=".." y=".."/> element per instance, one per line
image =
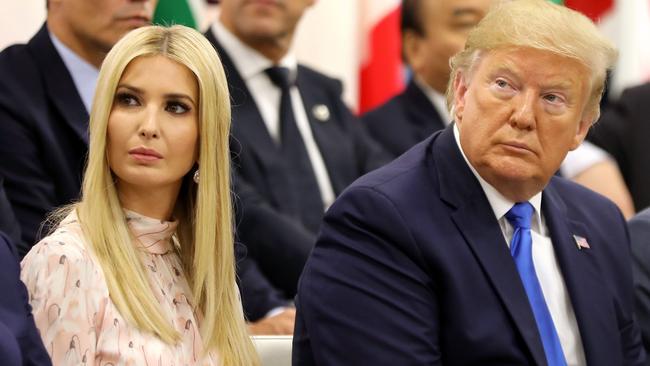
<point x="157" y="203"/>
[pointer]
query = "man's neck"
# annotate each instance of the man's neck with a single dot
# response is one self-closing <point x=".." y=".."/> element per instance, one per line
<point x="92" y="55"/>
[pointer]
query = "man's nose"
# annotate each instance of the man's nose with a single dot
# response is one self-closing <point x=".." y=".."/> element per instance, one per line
<point x="523" y="116"/>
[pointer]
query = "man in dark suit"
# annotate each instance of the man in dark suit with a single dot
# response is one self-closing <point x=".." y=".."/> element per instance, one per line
<point x="46" y="88"/>
<point x="432" y="32"/>
<point x="623" y="131"/>
<point x="639" y="227"/>
<point x="467" y="249"/>
<point x="295" y="143"/>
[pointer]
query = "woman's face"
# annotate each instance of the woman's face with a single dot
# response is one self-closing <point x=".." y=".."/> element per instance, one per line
<point x="153" y="126"/>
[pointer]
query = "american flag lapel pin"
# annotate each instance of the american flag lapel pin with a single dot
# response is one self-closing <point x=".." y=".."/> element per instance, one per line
<point x="581" y="242"/>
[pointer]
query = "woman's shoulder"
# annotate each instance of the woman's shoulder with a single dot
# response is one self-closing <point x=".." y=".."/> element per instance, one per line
<point x="66" y="243"/>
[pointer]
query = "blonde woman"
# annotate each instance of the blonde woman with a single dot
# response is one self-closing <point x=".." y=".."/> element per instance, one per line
<point x="141" y="270"/>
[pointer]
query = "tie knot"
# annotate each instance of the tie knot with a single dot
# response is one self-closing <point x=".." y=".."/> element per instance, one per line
<point x="520" y="214"/>
<point x="279" y="76"/>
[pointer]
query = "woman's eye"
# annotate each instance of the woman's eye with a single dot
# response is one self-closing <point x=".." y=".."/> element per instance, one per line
<point x="127" y="99"/>
<point x="177" y="107"/>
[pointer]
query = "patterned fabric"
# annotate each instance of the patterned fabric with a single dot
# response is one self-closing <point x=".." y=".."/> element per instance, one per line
<point x="77" y="320"/>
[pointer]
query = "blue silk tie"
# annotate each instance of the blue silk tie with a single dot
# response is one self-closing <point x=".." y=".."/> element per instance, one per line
<point x="521" y="247"/>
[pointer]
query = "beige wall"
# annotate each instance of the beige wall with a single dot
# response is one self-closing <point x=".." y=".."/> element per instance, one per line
<point x="19" y="20"/>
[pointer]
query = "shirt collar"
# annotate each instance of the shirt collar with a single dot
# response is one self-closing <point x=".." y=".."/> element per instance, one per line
<point x="248" y="61"/>
<point x="84" y="75"/>
<point x="438" y="100"/>
<point x="501" y="205"/>
<point x="152" y="235"/>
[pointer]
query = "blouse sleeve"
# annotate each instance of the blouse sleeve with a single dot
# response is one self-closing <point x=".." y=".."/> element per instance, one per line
<point x="67" y="294"/>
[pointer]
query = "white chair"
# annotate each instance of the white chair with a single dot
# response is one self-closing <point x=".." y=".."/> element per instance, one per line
<point x="273" y="350"/>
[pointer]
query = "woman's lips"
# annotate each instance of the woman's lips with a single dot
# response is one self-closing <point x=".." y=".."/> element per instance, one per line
<point x="145" y="154"/>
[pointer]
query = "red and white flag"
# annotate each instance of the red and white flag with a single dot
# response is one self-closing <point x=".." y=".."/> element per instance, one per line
<point x="381" y="64"/>
<point x="581" y="242"/>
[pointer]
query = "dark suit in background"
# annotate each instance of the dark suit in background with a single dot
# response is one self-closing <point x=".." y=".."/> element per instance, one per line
<point x="20" y="342"/>
<point x="43" y="133"/>
<point x="279" y="243"/>
<point x="411" y="268"/>
<point x="639" y="227"/>
<point x="404" y="120"/>
<point x="8" y="223"/>
<point x="624" y="131"/>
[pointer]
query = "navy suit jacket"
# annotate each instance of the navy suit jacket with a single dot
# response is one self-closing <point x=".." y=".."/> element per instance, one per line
<point x="43" y="133"/>
<point x="20" y="342"/>
<point x="8" y="223"/>
<point x="278" y="242"/>
<point x="404" y="120"/>
<point x="411" y="268"/>
<point x="639" y="227"/>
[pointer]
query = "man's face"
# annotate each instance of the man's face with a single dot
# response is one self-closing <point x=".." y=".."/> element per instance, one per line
<point x="519" y="112"/>
<point x="99" y="24"/>
<point x="446" y="25"/>
<point x="261" y="21"/>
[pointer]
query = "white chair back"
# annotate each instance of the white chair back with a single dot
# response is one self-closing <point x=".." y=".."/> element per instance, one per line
<point x="274" y="350"/>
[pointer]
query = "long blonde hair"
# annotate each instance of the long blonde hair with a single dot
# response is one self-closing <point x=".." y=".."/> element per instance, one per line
<point x="205" y="229"/>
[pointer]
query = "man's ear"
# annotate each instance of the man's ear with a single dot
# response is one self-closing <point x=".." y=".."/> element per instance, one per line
<point x="460" y="88"/>
<point x="412" y="50"/>
<point x="587" y="120"/>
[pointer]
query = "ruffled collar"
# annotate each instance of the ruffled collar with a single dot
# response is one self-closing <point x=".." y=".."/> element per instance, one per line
<point x="152" y="235"/>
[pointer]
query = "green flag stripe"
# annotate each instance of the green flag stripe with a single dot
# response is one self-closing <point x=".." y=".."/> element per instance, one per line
<point x="169" y="12"/>
<point x="559" y="2"/>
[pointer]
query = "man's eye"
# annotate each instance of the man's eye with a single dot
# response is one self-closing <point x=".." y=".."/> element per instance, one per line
<point x="553" y="98"/>
<point x="177" y="107"/>
<point x="127" y="99"/>
<point x="501" y="83"/>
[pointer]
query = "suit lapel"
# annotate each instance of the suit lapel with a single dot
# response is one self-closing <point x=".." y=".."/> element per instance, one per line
<point x="246" y="117"/>
<point x="475" y="221"/>
<point x="326" y="132"/>
<point x="248" y="127"/>
<point x="588" y="295"/>
<point x="59" y="85"/>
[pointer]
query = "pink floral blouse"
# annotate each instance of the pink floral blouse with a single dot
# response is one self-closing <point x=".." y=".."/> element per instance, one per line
<point x="77" y="320"/>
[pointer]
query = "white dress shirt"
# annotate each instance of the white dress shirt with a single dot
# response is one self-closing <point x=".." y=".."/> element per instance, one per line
<point x="84" y="75"/>
<point x="546" y="266"/>
<point x="251" y="65"/>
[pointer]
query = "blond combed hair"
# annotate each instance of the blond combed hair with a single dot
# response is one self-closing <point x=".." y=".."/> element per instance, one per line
<point x="204" y="212"/>
<point x="542" y="25"/>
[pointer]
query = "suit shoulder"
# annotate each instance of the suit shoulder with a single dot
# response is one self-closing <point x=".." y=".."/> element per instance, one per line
<point x="642" y="218"/>
<point x="320" y="79"/>
<point x="582" y="199"/>
<point x="15" y="57"/>
<point x="19" y="74"/>
<point x="390" y="111"/>
<point x="397" y="177"/>
<point x="636" y="92"/>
